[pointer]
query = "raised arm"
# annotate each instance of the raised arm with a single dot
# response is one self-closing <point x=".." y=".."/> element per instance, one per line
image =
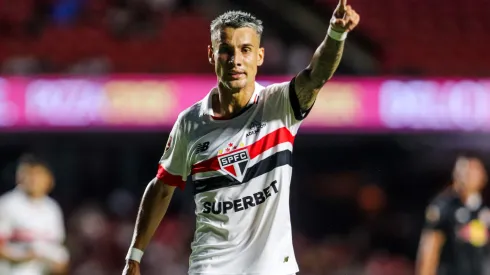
<point x="327" y="56"/>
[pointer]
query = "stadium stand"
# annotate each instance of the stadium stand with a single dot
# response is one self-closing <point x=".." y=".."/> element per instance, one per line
<point x="418" y="37"/>
<point x="430" y="37"/>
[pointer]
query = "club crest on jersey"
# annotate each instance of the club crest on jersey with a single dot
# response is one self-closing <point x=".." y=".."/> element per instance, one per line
<point x="235" y="163"/>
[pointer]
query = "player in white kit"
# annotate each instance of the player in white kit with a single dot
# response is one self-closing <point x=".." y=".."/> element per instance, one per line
<point x="31" y="224"/>
<point x="236" y="144"/>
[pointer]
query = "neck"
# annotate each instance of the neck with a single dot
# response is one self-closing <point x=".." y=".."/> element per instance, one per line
<point x="32" y="197"/>
<point x="464" y="196"/>
<point x="467" y="196"/>
<point x="231" y="102"/>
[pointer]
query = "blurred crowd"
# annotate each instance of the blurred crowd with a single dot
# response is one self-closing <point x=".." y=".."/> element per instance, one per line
<point x="107" y="36"/>
<point x="357" y="202"/>
<point x="358" y="211"/>
<point x="125" y="18"/>
<point x="99" y="237"/>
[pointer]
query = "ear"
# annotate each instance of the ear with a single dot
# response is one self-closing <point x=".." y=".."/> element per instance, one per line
<point x="51" y="186"/>
<point x="210" y="55"/>
<point x="20" y="174"/>
<point x="260" y="57"/>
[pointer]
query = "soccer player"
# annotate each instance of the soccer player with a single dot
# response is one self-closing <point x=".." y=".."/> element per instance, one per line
<point x="236" y="143"/>
<point x="457" y="221"/>
<point x="31" y="224"/>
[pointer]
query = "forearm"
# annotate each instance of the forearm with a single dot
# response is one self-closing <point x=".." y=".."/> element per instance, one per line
<point x="7" y="255"/>
<point x="322" y="67"/>
<point x="426" y="266"/>
<point x="325" y="61"/>
<point x="428" y="255"/>
<point x="57" y="268"/>
<point x="153" y="207"/>
<point x="427" y="263"/>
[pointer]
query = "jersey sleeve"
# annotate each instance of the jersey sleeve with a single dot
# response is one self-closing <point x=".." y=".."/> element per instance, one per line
<point x="173" y="167"/>
<point x="5" y="223"/>
<point x="54" y="249"/>
<point x="59" y="227"/>
<point x="283" y="100"/>
<point x="437" y="216"/>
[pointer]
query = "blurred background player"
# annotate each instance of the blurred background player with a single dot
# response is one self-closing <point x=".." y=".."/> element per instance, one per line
<point x="31" y="224"/>
<point x="456" y="230"/>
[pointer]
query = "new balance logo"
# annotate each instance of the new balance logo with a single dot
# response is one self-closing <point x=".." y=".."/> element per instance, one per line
<point x="202" y="147"/>
<point x="256" y="124"/>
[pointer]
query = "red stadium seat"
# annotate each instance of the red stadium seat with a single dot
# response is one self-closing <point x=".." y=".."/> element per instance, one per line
<point x="435" y="37"/>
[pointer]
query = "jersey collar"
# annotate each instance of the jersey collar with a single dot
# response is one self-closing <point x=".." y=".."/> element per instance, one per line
<point x="473" y="202"/>
<point x="254" y="99"/>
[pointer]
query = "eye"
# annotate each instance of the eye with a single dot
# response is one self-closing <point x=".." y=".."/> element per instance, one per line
<point x="225" y="49"/>
<point x="246" y="49"/>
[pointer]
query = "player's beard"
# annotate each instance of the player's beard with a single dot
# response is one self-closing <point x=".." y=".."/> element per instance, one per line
<point x="238" y="84"/>
<point x="235" y="85"/>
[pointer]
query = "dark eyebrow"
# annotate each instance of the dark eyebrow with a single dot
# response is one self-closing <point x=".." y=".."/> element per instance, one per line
<point x="226" y="45"/>
<point x="247" y="45"/>
<point x="223" y="44"/>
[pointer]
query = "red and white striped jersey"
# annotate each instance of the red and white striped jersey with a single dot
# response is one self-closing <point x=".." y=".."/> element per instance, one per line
<point x="31" y="225"/>
<point x="241" y="174"/>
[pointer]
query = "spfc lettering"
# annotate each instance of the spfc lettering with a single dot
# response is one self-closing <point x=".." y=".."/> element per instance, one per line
<point x="235" y="163"/>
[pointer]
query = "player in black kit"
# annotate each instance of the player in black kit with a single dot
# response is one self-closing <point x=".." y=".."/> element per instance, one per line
<point x="456" y="232"/>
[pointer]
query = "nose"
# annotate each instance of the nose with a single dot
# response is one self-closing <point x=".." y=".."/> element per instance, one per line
<point x="236" y="59"/>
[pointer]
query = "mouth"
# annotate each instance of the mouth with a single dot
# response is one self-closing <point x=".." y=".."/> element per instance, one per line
<point x="236" y="74"/>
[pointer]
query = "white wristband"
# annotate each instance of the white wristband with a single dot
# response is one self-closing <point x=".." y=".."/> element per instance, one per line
<point x="339" y="36"/>
<point x="134" y="254"/>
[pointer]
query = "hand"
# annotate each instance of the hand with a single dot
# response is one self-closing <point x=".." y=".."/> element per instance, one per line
<point x="26" y="257"/>
<point x="131" y="268"/>
<point x="344" y="18"/>
<point x="30" y="256"/>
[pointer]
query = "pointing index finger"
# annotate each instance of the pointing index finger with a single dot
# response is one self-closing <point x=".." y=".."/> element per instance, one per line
<point x="343" y="3"/>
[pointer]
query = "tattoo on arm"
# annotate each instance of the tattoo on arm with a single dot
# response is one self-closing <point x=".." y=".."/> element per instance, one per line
<point x="322" y="67"/>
